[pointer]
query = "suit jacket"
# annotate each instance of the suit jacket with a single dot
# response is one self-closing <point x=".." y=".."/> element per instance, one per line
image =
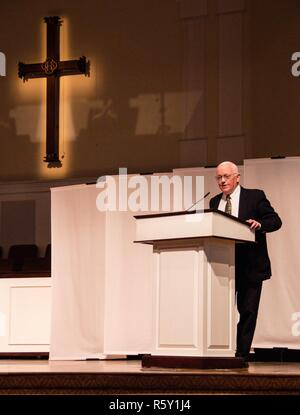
<point x="252" y="261"/>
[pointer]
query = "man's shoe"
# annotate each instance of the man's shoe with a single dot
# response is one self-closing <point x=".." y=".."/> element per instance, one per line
<point x="244" y="356"/>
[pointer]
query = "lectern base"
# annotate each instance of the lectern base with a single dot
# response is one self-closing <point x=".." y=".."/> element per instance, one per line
<point x="193" y="362"/>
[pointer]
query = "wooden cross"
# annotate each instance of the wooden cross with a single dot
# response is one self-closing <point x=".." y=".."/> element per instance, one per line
<point x="53" y="69"/>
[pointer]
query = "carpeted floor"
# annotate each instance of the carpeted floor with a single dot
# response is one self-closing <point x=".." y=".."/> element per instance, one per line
<point x="43" y="377"/>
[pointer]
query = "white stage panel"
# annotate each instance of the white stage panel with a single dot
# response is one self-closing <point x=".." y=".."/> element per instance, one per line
<point x="29" y="324"/>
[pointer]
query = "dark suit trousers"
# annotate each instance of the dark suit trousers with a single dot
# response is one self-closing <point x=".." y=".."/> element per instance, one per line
<point x="248" y="296"/>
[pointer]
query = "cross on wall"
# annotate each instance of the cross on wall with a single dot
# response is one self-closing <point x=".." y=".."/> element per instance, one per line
<point x="52" y="69"/>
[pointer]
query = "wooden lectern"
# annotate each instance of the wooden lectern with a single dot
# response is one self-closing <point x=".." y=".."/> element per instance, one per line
<point x="194" y="313"/>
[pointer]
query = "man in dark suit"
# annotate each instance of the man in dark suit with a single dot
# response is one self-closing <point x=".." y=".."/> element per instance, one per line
<point x="252" y="263"/>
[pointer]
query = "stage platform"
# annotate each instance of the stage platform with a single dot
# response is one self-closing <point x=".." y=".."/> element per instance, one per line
<point x="127" y="377"/>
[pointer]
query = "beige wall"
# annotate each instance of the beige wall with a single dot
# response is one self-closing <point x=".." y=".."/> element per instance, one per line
<point x="114" y="117"/>
<point x="136" y="110"/>
<point x="274" y="94"/>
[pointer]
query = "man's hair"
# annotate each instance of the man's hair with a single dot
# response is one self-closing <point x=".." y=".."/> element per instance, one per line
<point x="232" y="166"/>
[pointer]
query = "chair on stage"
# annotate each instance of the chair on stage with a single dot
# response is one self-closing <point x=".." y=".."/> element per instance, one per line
<point x="39" y="264"/>
<point x="17" y="255"/>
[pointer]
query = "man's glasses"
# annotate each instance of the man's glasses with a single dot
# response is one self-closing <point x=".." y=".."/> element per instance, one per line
<point x="226" y="177"/>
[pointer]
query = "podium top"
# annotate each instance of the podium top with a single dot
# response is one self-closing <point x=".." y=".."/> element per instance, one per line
<point x="205" y="223"/>
<point x="190" y="212"/>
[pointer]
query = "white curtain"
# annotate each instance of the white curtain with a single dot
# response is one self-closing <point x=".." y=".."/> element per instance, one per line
<point x="101" y="296"/>
<point x="278" y="321"/>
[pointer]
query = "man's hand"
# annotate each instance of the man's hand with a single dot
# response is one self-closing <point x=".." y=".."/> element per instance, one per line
<point x="254" y="224"/>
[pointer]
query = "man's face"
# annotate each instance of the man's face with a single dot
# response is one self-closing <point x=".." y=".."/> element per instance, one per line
<point x="227" y="179"/>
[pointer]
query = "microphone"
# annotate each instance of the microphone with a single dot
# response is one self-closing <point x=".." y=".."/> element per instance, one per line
<point x="200" y="200"/>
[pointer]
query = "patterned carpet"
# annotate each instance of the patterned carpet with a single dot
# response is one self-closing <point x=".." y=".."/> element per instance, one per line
<point x="128" y="377"/>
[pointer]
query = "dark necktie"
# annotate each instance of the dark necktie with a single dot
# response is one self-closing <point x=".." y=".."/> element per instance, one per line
<point x="228" y="207"/>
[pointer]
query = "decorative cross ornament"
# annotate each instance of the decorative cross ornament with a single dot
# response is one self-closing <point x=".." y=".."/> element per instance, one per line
<point x="52" y="69"/>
